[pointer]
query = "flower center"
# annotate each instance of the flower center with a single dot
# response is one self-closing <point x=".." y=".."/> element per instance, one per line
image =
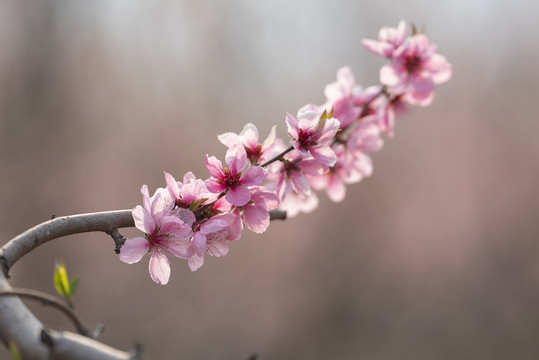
<point x="253" y="154"/>
<point x="307" y="138"/>
<point x="230" y="178"/>
<point x="412" y="64"/>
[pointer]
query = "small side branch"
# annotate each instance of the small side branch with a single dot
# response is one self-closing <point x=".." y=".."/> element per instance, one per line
<point x="46" y="300"/>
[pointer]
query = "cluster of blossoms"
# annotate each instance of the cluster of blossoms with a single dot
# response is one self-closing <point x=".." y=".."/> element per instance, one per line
<point x="329" y="148"/>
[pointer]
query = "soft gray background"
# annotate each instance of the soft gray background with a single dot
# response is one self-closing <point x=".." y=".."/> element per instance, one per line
<point x="436" y="256"/>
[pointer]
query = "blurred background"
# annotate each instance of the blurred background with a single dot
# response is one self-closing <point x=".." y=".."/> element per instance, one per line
<point x="436" y="256"/>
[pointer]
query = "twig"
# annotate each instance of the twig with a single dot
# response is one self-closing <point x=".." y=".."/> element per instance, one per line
<point x="47" y="299"/>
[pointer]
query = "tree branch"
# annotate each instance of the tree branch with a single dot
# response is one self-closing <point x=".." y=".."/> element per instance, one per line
<point x="19" y="325"/>
<point x="107" y="221"/>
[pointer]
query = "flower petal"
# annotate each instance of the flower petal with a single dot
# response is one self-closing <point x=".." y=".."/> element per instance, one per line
<point x="214" y="166"/>
<point x="336" y="189"/>
<point x="145" y="197"/>
<point x="238" y="195"/>
<point x="199" y="242"/>
<point x="255" y="175"/>
<point x="389" y="75"/>
<point x="324" y="154"/>
<point x="229" y="139"/>
<point x="256" y="218"/>
<point x="213" y="225"/>
<point x="308" y="119"/>
<point x="180" y="248"/>
<point x="143" y="220"/>
<point x="236" y="158"/>
<point x="159" y="267"/>
<point x="213" y="186"/>
<point x="270" y="139"/>
<point x="378" y="47"/>
<point x="134" y="249"/>
<point x="249" y="136"/>
<point x="292" y="126"/>
<point x="195" y="262"/>
<point x="217" y="247"/>
<point x="172" y="185"/>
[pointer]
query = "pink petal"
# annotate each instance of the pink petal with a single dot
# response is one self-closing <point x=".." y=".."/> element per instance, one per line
<point x="270" y="139"/>
<point x="419" y="98"/>
<point x="268" y="198"/>
<point x="159" y="267"/>
<point x="346" y="78"/>
<point x="256" y="218"/>
<point x="389" y="75"/>
<point x="236" y="158"/>
<point x="145" y="197"/>
<point x="172" y="225"/>
<point x="292" y="126"/>
<point x="134" y="249"/>
<point x="195" y="262"/>
<point x="143" y="220"/>
<point x="300" y="183"/>
<point x="213" y="225"/>
<point x="213" y="186"/>
<point x="318" y="182"/>
<point x="181" y="248"/>
<point x="255" y="175"/>
<point x="229" y="139"/>
<point x="308" y="119"/>
<point x="188" y="177"/>
<point x="329" y="130"/>
<point x="324" y="154"/>
<point x="235" y="227"/>
<point x="222" y="205"/>
<point x="312" y="167"/>
<point x="249" y="136"/>
<point x="336" y="189"/>
<point x="238" y="195"/>
<point x="187" y="216"/>
<point x="191" y="190"/>
<point x="439" y="67"/>
<point x="172" y="186"/>
<point x="199" y="242"/>
<point x="378" y="47"/>
<point x="217" y="248"/>
<point x="422" y="84"/>
<point x="401" y="33"/>
<point x="214" y="166"/>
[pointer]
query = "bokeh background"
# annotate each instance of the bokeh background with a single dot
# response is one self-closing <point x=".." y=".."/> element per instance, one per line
<point x="436" y="256"/>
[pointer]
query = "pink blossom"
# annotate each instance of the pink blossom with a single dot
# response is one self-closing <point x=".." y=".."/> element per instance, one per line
<point x="387" y="111"/>
<point x="190" y="194"/>
<point x="248" y="138"/>
<point x="294" y="203"/>
<point x="166" y="235"/>
<point x="212" y="237"/>
<point x="255" y="212"/>
<point x="353" y="163"/>
<point x="389" y="40"/>
<point x="231" y="179"/>
<point x="313" y="135"/>
<point x="340" y="96"/>
<point x="414" y="69"/>
<point x="291" y="175"/>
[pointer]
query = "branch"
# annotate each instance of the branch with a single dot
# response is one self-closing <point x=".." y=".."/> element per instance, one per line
<point x="19" y="325"/>
<point x="107" y="221"/>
